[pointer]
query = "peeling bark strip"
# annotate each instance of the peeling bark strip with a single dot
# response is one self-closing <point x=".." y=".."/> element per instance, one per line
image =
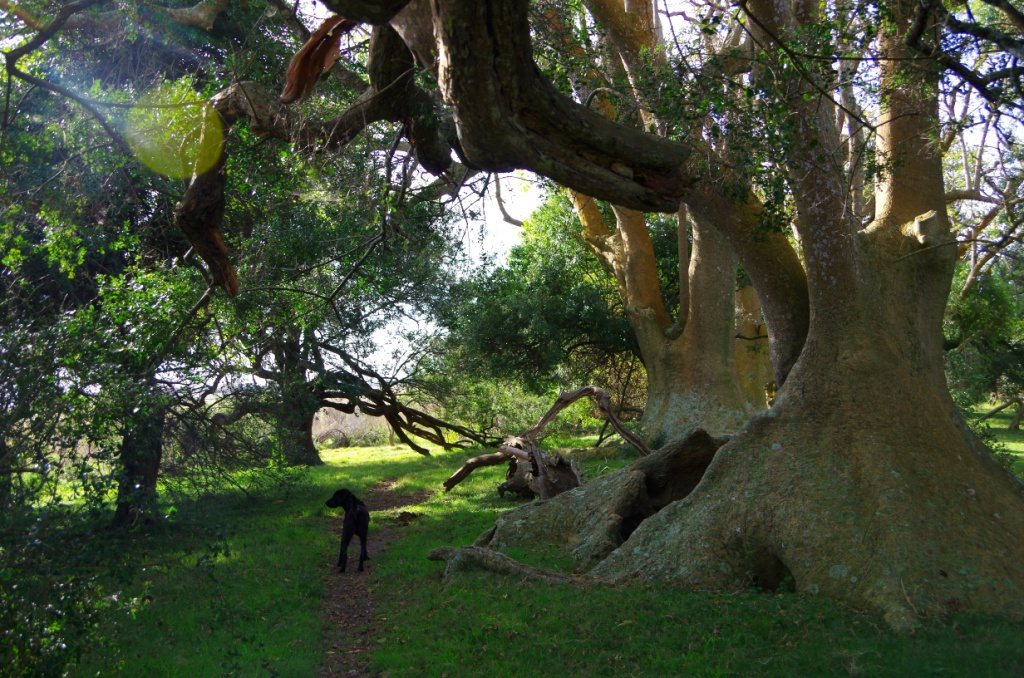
<point x="315" y="58"/>
<point x="201" y="15"/>
<point x="535" y="472"/>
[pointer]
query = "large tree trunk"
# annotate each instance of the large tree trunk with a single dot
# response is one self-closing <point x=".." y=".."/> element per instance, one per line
<point x="295" y="431"/>
<point x="140" y="455"/>
<point x="297" y="410"/>
<point x="862" y="482"/>
<point x="691" y="379"/>
<point x="690" y="371"/>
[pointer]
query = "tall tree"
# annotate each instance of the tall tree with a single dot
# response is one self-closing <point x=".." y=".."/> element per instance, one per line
<point x="689" y="359"/>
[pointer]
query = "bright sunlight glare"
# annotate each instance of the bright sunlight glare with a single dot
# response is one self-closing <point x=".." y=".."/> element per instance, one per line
<point x="174" y="132"/>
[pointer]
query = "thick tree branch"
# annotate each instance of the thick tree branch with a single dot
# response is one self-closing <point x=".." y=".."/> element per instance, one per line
<point x="509" y="117"/>
<point x="377" y="12"/>
<point x="969" y="194"/>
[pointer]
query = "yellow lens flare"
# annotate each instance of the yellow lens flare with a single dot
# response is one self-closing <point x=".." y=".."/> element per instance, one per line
<point x="174" y="132"/>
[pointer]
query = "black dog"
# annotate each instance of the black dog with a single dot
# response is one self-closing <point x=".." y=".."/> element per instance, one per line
<point x="357" y="522"/>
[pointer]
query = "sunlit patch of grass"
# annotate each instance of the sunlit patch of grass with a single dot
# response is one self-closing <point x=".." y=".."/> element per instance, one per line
<point x="1013" y="440"/>
<point x="232" y="584"/>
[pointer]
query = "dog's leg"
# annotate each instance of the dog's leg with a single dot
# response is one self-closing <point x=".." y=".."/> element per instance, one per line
<point x="363" y="555"/>
<point x="346" y="539"/>
<point x="363" y="530"/>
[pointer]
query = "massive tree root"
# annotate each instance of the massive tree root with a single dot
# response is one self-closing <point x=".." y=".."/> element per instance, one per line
<point x="474" y="557"/>
<point x="592" y="521"/>
<point x="838" y="496"/>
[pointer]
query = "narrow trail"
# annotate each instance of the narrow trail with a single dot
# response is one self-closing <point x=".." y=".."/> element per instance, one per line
<point x="351" y="622"/>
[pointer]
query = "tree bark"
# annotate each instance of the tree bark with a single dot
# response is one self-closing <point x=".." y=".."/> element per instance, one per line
<point x="691" y="378"/>
<point x="753" y="368"/>
<point x="140" y="454"/>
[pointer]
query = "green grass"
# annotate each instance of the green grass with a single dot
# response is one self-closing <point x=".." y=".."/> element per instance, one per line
<point x="254" y="610"/>
<point x="232" y="585"/>
<point x="1013" y="440"/>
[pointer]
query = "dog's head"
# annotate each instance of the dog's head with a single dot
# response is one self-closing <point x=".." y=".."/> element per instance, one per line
<point x="342" y="499"/>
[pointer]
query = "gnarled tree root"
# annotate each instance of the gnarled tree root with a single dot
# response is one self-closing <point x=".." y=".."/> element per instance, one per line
<point x="591" y="521"/>
<point x="474" y="557"/>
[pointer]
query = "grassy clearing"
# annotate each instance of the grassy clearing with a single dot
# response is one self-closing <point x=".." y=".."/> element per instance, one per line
<point x="253" y="609"/>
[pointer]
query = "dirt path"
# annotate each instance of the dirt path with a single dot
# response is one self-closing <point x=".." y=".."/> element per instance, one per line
<point x="350" y="619"/>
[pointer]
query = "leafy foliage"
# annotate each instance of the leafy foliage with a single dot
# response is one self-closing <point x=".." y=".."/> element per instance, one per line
<point x="986" y="336"/>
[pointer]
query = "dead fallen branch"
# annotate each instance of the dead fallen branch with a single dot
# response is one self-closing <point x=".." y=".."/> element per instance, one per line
<point x="534" y="472"/>
<point x="1015" y="424"/>
<point x="462" y="558"/>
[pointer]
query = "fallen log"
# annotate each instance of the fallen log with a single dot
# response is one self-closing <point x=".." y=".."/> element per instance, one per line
<point x="534" y="472"/>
